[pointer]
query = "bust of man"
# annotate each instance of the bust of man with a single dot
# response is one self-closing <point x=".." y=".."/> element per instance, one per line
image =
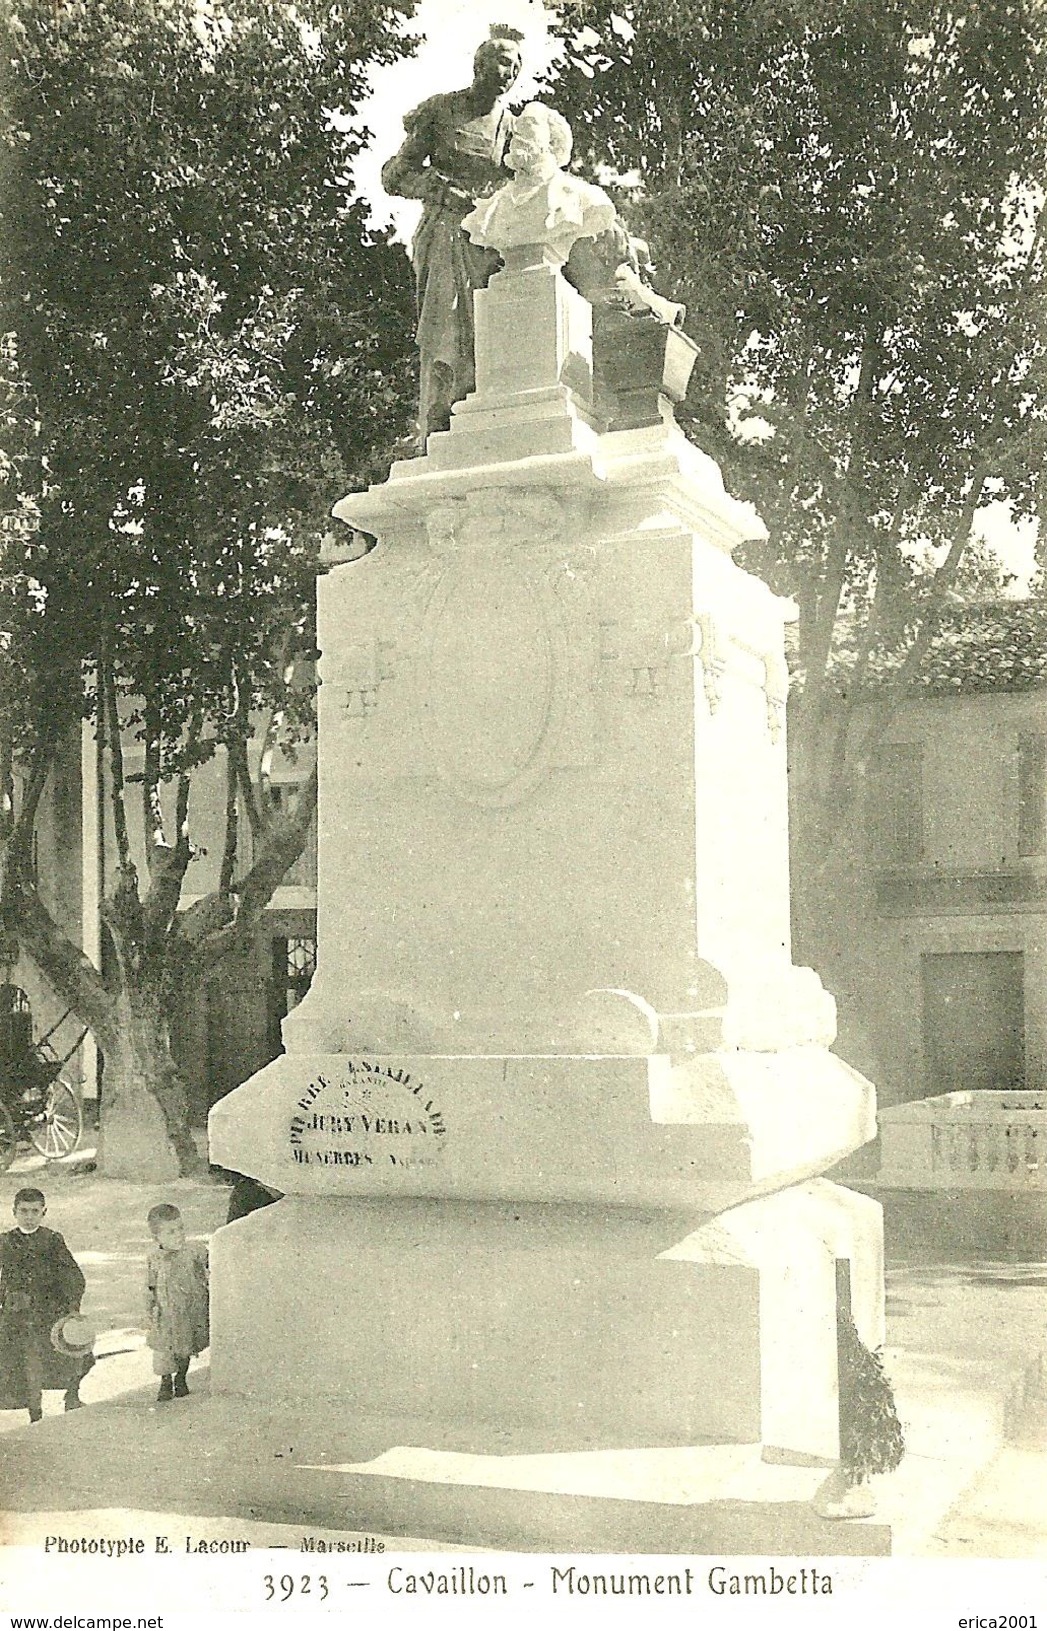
<point x="542" y="204"/>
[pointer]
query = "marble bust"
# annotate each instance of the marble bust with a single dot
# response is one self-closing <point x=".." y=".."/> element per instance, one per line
<point x="542" y="204"/>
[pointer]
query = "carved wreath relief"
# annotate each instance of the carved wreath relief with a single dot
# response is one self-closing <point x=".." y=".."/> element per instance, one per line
<point x="493" y="671"/>
<point x="493" y="662"/>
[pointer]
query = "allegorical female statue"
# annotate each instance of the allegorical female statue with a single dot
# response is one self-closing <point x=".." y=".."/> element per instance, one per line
<point x="453" y="154"/>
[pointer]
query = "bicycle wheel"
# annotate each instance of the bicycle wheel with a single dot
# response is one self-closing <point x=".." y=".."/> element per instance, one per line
<point x="59" y="1132"/>
<point x="8" y="1138"/>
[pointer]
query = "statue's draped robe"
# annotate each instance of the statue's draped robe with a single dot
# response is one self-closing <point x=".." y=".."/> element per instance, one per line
<point x="449" y="158"/>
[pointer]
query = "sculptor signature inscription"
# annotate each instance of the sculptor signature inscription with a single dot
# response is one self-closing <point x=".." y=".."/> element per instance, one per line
<point x="368" y="1115"/>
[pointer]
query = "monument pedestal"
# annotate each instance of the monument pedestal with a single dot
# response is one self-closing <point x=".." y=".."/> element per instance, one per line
<point x="553" y="1115"/>
<point x="578" y="1327"/>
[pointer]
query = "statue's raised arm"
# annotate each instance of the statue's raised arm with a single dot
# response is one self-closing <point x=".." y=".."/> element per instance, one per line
<point x="453" y="152"/>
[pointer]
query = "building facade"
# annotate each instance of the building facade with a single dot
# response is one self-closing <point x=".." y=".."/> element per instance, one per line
<point x="956" y="840"/>
<point x="941" y="923"/>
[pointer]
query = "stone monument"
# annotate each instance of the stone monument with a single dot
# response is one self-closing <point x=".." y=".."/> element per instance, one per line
<point x="553" y="1119"/>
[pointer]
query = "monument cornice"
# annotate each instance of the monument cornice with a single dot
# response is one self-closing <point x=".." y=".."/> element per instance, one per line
<point x="646" y="471"/>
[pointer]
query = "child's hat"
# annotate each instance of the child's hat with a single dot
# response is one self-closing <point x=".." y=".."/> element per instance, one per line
<point x="72" y="1336"/>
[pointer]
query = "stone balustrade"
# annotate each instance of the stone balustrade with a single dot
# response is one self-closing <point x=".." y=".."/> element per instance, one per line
<point x="975" y="1140"/>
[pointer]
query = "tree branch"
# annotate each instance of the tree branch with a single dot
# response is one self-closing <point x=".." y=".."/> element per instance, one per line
<point x="286" y="666"/>
<point x="152" y="808"/>
<point x="116" y="760"/>
<point x="169" y="866"/>
<point x="204" y="918"/>
<point x="884" y="545"/>
<point x="18" y="848"/>
<point x="7" y="788"/>
<point x="827" y="606"/>
<point x="889" y="698"/>
<point x="182" y="809"/>
<point x="284" y="842"/>
<point x="237" y="750"/>
<point x="232" y="826"/>
<point x="65" y="966"/>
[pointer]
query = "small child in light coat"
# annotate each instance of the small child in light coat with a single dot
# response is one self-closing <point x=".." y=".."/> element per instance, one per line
<point x="177" y="1305"/>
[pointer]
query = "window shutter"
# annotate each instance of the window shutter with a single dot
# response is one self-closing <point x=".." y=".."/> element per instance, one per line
<point x="897" y="802"/>
<point x="1032" y="793"/>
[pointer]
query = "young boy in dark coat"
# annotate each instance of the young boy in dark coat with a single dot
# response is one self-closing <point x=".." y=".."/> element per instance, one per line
<point x="40" y="1282"/>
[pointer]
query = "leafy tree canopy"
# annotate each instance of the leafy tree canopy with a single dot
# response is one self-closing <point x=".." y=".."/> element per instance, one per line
<point x="848" y="197"/>
<point x="201" y="329"/>
<point x="204" y="346"/>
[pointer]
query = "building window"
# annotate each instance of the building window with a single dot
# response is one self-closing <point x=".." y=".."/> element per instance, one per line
<point x="895" y="813"/>
<point x="1032" y="793"/>
<point x="302" y="871"/>
<point x="299" y="960"/>
<point x="294" y="964"/>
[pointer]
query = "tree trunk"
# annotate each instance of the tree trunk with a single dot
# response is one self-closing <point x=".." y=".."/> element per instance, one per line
<point x="144" y="1128"/>
<point x="809" y="838"/>
<point x="145" y="1134"/>
<point x="835" y="921"/>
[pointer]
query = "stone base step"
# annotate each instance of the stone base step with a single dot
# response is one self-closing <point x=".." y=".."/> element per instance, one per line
<point x="702" y="1500"/>
<point x="465" y="1486"/>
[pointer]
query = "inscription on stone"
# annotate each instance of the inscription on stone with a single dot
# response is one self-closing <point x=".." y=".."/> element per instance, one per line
<point x="367" y="1115"/>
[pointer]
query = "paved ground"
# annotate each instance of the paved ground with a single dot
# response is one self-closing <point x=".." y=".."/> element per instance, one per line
<point x="965" y="1353"/>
